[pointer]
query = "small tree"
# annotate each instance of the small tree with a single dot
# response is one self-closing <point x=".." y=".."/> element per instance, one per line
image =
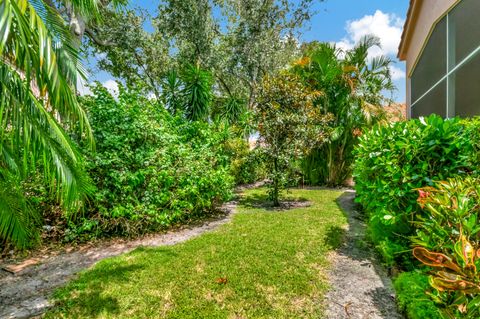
<point x="289" y="126"/>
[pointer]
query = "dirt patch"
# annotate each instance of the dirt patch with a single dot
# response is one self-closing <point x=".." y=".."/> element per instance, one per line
<point x="361" y="288"/>
<point x="27" y="293"/>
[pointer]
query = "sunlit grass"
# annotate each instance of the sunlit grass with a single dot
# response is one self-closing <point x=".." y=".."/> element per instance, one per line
<point x="263" y="264"/>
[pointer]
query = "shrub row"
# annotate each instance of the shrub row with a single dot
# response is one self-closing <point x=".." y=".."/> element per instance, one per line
<point x="150" y="169"/>
<point x="414" y="181"/>
<point x="393" y="161"/>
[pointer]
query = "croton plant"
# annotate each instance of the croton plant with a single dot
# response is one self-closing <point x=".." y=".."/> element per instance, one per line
<point x="448" y="241"/>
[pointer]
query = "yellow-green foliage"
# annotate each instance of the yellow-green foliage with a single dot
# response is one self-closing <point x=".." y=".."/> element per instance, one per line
<point x="447" y="240"/>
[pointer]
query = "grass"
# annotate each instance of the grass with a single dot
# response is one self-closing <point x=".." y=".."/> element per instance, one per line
<point x="263" y="264"/>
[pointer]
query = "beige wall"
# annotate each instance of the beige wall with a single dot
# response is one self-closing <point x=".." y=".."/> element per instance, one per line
<point x="423" y="17"/>
<point x="423" y="20"/>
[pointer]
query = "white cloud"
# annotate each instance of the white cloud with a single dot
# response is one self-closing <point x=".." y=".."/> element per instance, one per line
<point x="112" y="87"/>
<point x="387" y="27"/>
<point x="397" y="73"/>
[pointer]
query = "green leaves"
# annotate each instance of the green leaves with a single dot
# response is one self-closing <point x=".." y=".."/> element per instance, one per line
<point x="352" y="91"/>
<point x="392" y="161"/>
<point x="39" y="68"/>
<point x="197" y="93"/>
<point x="151" y="169"/>
<point x="289" y="126"/>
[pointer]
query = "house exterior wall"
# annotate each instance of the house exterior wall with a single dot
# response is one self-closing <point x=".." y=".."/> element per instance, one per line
<point x="424" y="15"/>
<point x="441" y="47"/>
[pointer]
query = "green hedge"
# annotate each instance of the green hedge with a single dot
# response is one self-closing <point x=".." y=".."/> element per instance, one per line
<point x="411" y="297"/>
<point x="393" y="161"/>
<point x="151" y="170"/>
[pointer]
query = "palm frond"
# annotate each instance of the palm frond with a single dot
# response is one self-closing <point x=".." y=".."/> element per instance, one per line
<point x="39" y="69"/>
<point x="17" y="220"/>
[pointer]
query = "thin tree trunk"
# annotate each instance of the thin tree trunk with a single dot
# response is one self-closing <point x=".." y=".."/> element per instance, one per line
<point x="276" y="185"/>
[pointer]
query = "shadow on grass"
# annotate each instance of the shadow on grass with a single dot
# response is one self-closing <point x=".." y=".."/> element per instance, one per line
<point x="95" y="300"/>
<point x="334" y="237"/>
<point x="261" y="201"/>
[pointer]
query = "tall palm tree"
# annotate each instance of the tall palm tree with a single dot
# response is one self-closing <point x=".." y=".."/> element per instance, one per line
<point x="353" y="86"/>
<point x="39" y="69"/>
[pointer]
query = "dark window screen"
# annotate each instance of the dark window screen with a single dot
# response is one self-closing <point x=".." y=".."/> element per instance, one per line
<point x="464" y="24"/>
<point x="432" y="65"/>
<point x="467" y="89"/>
<point x="435" y="102"/>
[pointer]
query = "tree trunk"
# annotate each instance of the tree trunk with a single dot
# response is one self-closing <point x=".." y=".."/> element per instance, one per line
<point x="276" y="186"/>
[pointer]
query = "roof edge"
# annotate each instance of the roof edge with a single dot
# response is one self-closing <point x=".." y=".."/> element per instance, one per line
<point x="412" y="15"/>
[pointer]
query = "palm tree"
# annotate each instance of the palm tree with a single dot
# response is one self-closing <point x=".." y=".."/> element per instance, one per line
<point x="39" y="69"/>
<point x="353" y="87"/>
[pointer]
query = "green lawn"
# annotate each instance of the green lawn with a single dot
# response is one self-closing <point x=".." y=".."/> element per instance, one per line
<point x="264" y="264"/>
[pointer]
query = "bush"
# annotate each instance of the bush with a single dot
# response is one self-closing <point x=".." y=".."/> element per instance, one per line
<point x="411" y="297"/>
<point x="392" y="161"/>
<point x="151" y="169"/>
<point x="247" y="166"/>
<point x="448" y="241"/>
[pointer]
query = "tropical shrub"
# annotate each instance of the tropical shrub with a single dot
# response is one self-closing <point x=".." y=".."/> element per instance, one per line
<point x="247" y="165"/>
<point x="448" y="241"/>
<point x="392" y="161"/>
<point x="289" y="126"/>
<point x="151" y="169"/>
<point x="39" y="69"/>
<point x="197" y="93"/>
<point x="352" y="89"/>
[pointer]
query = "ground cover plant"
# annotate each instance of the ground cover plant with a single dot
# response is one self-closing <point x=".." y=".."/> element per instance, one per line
<point x="411" y="298"/>
<point x="265" y="263"/>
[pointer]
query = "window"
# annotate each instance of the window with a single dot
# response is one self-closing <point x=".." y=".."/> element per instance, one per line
<point x="431" y="66"/>
<point x="433" y="103"/>
<point x="445" y="79"/>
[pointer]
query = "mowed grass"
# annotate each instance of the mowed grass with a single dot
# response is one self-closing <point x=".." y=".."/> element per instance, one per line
<point x="263" y="264"/>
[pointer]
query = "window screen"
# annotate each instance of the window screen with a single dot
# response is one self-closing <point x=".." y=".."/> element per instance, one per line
<point x="435" y="102"/>
<point x="432" y="65"/>
<point x="467" y="89"/>
<point x="464" y="24"/>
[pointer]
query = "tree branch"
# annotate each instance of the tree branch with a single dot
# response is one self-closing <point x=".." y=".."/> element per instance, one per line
<point x="94" y="37"/>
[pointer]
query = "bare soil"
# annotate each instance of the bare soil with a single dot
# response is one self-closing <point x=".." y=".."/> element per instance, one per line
<point x="361" y="288"/>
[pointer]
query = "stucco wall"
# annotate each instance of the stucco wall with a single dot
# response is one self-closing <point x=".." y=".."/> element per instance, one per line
<point x="423" y="19"/>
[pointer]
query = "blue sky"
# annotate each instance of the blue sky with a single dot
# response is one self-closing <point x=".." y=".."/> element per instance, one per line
<point x="342" y="22"/>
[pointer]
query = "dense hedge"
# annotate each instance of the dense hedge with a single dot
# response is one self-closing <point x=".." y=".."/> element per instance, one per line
<point x="398" y="168"/>
<point x="393" y="161"/>
<point x="411" y="297"/>
<point x="247" y="165"/>
<point x="150" y="169"/>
